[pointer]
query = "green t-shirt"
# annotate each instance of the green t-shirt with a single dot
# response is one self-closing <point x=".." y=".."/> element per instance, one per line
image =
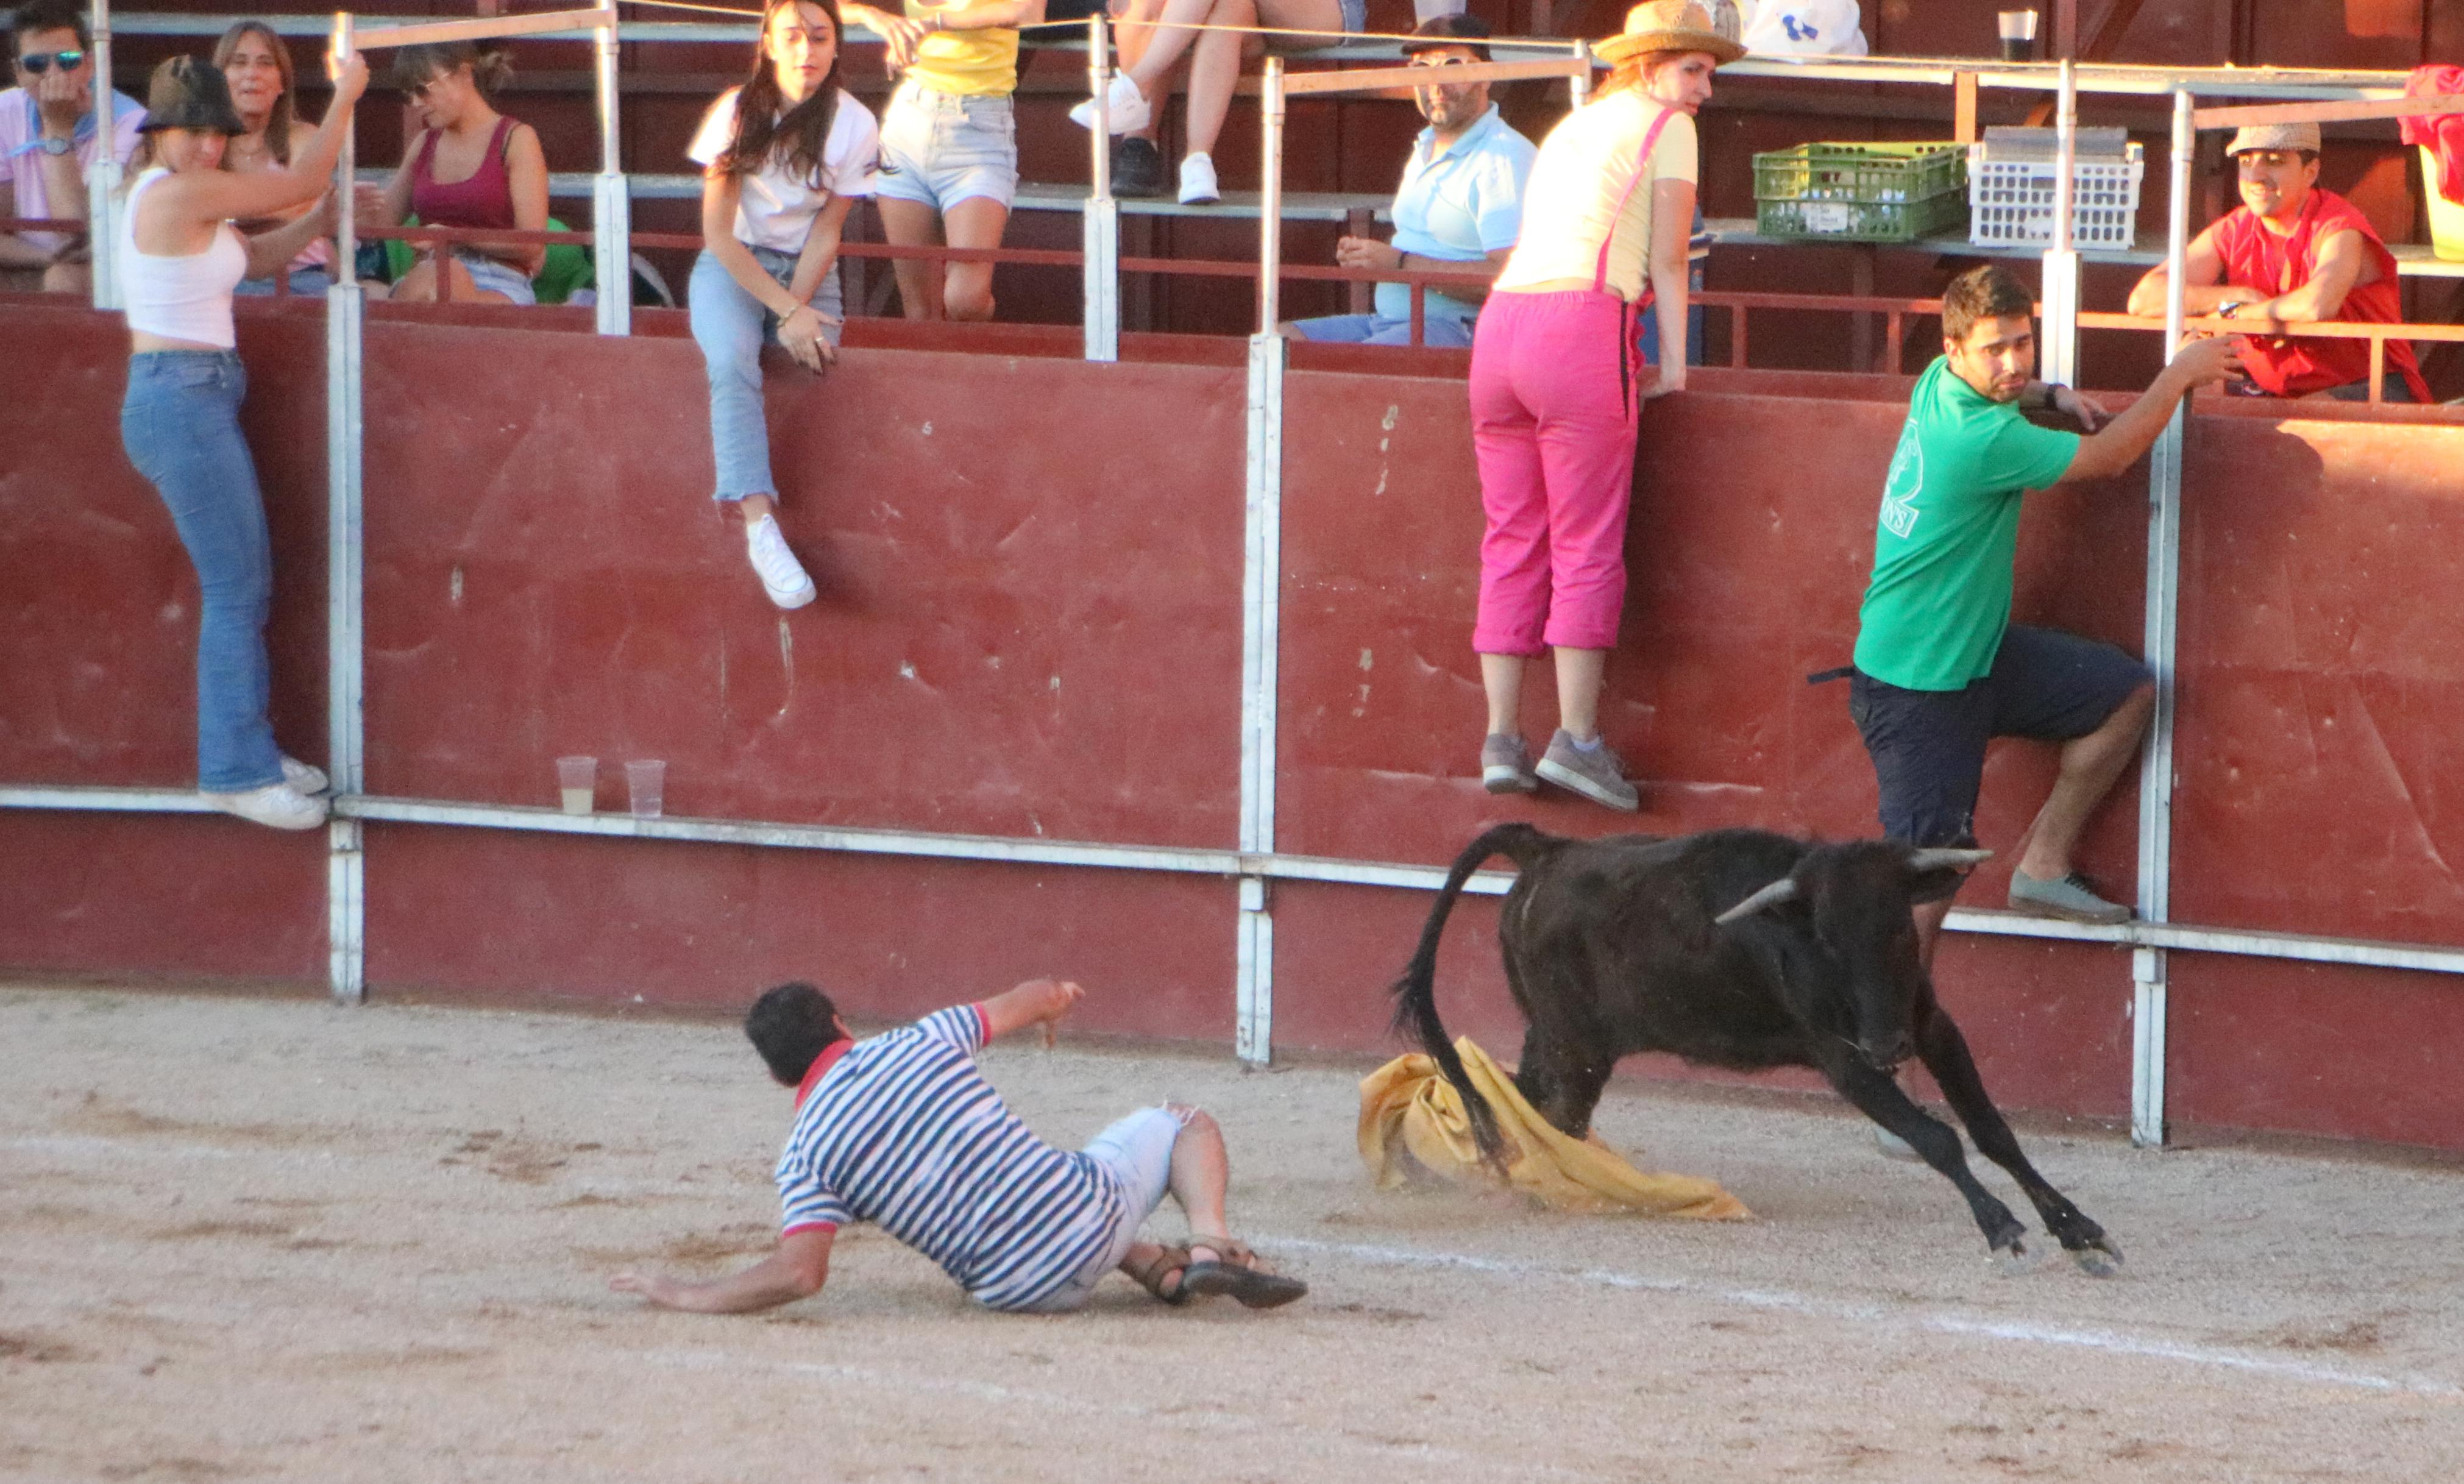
<point x="1948" y="532"/>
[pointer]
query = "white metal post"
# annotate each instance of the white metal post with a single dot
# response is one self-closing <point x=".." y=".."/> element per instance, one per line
<point x="102" y="177"/>
<point x="1261" y="643"/>
<point x="1270" y="195"/>
<point x="346" y="861"/>
<point x="611" y="203"/>
<point x="2061" y="274"/>
<point x="1102" y="244"/>
<point x="1579" y="85"/>
<point x="2147" y="1002"/>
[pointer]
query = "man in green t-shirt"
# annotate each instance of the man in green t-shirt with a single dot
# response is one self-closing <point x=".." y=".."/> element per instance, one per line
<point x="1940" y="670"/>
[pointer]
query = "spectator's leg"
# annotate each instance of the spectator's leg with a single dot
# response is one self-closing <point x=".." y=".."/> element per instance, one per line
<point x="1514" y="547"/>
<point x="69" y="279"/>
<point x="727" y="324"/>
<point x="1586" y="437"/>
<point x="914" y="224"/>
<point x="1214" y="73"/>
<point x="967" y="288"/>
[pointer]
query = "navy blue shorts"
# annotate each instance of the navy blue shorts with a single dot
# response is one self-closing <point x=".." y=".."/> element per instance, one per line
<point x="1928" y="746"/>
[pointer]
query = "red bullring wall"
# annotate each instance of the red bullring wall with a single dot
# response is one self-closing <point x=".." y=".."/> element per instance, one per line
<point x="1031" y="625"/>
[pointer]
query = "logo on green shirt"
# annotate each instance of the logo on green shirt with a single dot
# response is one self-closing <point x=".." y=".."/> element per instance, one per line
<point x="1906" y="481"/>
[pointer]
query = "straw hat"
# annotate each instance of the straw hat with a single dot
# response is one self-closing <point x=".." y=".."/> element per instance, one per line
<point x="2275" y="136"/>
<point x="1668" y="26"/>
<point x="188" y="93"/>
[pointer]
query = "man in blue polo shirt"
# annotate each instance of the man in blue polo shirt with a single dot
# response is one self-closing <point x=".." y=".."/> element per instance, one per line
<point x="902" y="1130"/>
<point x="1459" y="207"/>
<point x="1940" y="670"/>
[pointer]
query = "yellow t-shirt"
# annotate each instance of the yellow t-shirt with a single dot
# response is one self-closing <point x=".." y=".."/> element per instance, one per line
<point x="978" y="64"/>
<point x="1582" y="168"/>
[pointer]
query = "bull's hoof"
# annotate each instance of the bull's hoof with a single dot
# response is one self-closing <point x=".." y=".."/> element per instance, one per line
<point x="2101" y="1260"/>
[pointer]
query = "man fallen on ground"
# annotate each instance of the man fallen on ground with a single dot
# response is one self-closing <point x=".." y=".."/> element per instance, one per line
<point x="2292" y="253"/>
<point x="1939" y="669"/>
<point x="902" y="1129"/>
<point x="1458" y="208"/>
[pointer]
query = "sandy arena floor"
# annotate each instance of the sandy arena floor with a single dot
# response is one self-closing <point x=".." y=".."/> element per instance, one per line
<point x="267" y="1239"/>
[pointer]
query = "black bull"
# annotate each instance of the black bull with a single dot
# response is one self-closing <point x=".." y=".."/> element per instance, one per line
<point x="1737" y="948"/>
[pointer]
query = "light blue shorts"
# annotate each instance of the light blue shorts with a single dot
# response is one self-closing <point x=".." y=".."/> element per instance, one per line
<point x="1137" y="1150"/>
<point x="496" y="276"/>
<point x="939" y="148"/>
<point x="1438" y="330"/>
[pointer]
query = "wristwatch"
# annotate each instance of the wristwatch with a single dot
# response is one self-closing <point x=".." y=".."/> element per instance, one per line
<point x="2227" y="309"/>
<point x="54" y="146"/>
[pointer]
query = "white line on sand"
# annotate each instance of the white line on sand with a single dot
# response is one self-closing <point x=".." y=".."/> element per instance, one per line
<point x="1933" y="1320"/>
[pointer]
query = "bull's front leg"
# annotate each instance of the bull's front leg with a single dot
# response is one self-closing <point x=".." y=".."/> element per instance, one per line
<point x="1561" y="1079"/>
<point x="1877" y="1093"/>
<point x="1945" y="1054"/>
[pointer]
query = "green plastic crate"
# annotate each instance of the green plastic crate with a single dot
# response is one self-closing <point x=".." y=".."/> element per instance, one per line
<point x="1861" y="192"/>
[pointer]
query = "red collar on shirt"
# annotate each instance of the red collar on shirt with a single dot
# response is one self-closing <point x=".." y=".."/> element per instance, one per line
<point x="821" y="1068"/>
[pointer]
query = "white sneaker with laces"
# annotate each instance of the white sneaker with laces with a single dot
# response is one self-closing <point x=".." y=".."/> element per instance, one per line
<point x="304" y="777"/>
<point x="781" y="574"/>
<point x="278" y="806"/>
<point x="1198" y="185"/>
<point x="1126" y="105"/>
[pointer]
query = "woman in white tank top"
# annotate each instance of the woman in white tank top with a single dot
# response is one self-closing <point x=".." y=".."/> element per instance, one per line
<point x="180" y="260"/>
<point x="1556" y="388"/>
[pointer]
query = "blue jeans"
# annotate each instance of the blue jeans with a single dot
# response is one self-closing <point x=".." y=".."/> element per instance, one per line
<point x="180" y="424"/>
<point x="731" y="326"/>
<point x="1437" y="330"/>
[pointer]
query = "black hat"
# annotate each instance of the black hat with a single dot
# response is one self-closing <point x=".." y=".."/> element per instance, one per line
<point x="1439" y="31"/>
<point x="189" y="93"/>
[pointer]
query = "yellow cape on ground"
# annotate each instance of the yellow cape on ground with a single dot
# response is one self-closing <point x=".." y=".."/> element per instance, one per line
<point x="1412" y="1119"/>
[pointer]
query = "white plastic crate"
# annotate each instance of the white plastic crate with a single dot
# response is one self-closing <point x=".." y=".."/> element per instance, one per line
<point x="2012" y="189"/>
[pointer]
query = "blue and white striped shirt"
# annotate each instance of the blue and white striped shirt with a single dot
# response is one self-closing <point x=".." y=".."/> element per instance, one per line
<point x="903" y="1130"/>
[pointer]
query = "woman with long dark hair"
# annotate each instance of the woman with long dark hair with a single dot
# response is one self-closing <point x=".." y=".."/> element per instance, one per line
<point x="180" y="259"/>
<point x="257" y="67"/>
<point x="783" y="158"/>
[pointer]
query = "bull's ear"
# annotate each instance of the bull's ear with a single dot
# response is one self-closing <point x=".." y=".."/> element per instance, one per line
<point x="1935" y="874"/>
<point x="1782" y="890"/>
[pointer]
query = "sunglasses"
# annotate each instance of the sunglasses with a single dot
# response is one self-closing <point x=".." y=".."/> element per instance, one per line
<point x="42" y="62"/>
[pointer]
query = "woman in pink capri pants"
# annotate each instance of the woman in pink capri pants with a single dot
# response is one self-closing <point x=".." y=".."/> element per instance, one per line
<point x="1556" y="382"/>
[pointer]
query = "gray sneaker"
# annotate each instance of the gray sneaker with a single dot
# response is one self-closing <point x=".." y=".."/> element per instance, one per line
<point x="1505" y="765"/>
<point x="2070" y="898"/>
<point x="1597" y="775"/>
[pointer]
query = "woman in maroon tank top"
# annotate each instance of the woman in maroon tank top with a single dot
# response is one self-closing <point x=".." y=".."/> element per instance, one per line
<point x="470" y="166"/>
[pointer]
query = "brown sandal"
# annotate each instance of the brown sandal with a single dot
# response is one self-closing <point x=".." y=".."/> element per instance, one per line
<point x="1152" y="1274"/>
<point x="1236" y="1271"/>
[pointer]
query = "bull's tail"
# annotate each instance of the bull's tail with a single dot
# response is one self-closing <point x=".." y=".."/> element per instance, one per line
<point x="1416" y="996"/>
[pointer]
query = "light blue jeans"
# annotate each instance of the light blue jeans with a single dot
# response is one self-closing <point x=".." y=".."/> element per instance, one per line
<point x="731" y="326"/>
<point x="180" y="424"/>
<point x="1137" y="1151"/>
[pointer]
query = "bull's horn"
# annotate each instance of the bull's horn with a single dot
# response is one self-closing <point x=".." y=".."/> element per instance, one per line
<point x="1938" y="859"/>
<point x="1782" y="890"/>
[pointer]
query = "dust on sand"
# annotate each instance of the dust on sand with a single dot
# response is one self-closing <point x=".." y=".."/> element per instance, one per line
<point x="265" y="1239"/>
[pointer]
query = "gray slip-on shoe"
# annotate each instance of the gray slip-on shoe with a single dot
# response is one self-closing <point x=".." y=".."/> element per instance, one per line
<point x="2070" y="898"/>
<point x="1597" y="775"/>
<point x="1505" y="765"/>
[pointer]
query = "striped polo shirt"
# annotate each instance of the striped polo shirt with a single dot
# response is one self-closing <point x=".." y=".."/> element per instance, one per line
<point x="901" y="1129"/>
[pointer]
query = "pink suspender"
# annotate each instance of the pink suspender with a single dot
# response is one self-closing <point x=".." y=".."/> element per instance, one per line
<point x="1642" y="171"/>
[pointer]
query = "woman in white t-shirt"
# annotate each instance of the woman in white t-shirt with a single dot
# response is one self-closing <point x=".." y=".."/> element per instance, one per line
<point x="783" y="158"/>
<point x="1556" y="385"/>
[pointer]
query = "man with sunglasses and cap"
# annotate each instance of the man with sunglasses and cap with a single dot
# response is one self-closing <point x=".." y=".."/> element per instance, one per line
<point x="48" y="140"/>
<point x="2293" y="253"/>
<point x="1459" y="207"/>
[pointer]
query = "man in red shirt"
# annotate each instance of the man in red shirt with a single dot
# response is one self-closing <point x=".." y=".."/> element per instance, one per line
<point x="2295" y="253"/>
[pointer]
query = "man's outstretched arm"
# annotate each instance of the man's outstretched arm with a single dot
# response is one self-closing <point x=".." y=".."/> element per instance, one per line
<point x="2119" y="444"/>
<point x="1036" y="1001"/>
<point x="797" y="1270"/>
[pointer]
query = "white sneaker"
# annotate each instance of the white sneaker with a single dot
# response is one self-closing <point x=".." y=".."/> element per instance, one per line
<point x="781" y="574"/>
<point x="1127" y="105"/>
<point x="276" y="805"/>
<point x="1197" y="180"/>
<point x="304" y="777"/>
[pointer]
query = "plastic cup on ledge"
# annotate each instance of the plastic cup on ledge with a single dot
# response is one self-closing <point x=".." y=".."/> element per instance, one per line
<point x="646" y="781"/>
<point x="577" y="783"/>
<point x="2018" y="30"/>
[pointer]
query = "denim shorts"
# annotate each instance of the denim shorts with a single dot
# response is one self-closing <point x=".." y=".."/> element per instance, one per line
<point x="1928" y="746"/>
<point x="494" y="276"/>
<point x="939" y="148"/>
<point x="1137" y="1152"/>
